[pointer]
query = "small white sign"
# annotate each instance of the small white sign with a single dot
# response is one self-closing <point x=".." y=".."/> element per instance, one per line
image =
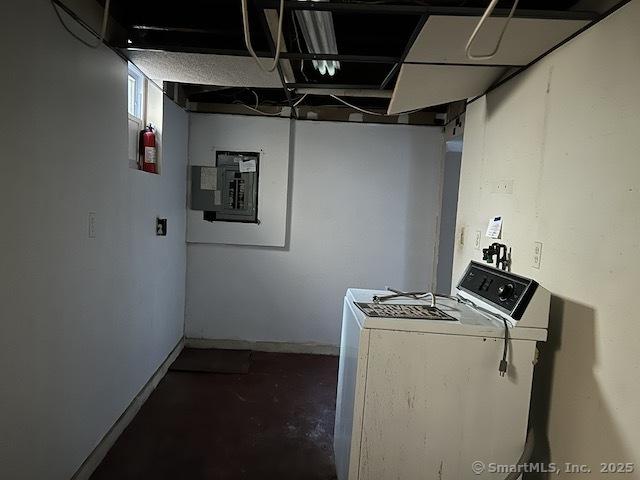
<point x="248" y="166"/>
<point x="208" y="178"/>
<point x="495" y="227"/>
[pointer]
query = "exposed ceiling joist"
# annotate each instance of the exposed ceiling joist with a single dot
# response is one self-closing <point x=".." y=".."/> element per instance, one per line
<point x="401" y="9"/>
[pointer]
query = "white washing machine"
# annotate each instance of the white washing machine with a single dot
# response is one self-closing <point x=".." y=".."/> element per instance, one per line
<point x="424" y="397"/>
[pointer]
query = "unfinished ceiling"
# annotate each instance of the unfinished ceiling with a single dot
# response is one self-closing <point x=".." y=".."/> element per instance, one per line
<point x="380" y="44"/>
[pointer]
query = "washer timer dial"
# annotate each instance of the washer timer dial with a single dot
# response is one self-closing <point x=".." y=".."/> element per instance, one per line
<point x="505" y="291"/>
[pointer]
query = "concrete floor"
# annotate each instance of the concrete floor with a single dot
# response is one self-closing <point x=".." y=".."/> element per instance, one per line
<point x="276" y="422"/>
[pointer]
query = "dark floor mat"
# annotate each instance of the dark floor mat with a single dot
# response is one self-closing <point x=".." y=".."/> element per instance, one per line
<point x="212" y="360"/>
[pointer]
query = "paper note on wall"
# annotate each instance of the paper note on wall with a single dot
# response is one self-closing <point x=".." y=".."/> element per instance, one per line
<point x="248" y="166"/>
<point x="208" y="178"/>
<point x="495" y="227"/>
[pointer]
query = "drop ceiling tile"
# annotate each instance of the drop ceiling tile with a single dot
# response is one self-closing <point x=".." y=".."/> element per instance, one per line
<point x="204" y="69"/>
<point x="443" y="39"/>
<point x="421" y="86"/>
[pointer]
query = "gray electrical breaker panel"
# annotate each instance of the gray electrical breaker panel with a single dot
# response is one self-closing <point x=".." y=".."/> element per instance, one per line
<point x="227" y="192"/>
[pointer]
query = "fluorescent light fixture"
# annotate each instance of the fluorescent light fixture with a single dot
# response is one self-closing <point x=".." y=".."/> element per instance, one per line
<point x="320" y="37"/>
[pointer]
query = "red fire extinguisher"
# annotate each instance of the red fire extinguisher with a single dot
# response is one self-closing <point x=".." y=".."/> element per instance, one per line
<point x="148" y="159"/>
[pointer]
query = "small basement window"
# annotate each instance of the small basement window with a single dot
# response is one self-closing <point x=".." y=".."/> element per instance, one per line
<point x="135" y="88"/>
<point x="144" y="107"/>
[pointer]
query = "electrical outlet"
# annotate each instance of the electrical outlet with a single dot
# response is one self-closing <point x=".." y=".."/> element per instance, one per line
<point x="537" y="254"/>
<point x="92" y="225"/>
<point x="161" y="227"/>
<point x="478" y="239"/>
<point x="502" y="186"/>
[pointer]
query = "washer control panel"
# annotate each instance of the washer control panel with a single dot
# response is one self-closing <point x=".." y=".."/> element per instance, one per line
<point x="508" y="292"/>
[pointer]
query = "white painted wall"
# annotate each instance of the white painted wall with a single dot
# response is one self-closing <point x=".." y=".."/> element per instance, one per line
<point x="567" y="133"/>
<point x="364" y="212"/>
<point x="84" y="322"/>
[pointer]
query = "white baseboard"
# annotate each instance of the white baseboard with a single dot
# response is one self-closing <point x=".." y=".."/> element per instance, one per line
<point x="101" y="450"/>
<point x="278" y="347"/>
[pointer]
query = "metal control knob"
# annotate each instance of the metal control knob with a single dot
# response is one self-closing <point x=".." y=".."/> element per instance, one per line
<point x="505" y="291"/>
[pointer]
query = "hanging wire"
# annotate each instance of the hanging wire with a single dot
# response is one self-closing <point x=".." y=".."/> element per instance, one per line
<point x="299" y="101"/>
<point x="369" y="112"/>
<point x="257" y="104"/>
<point x="103" y="27"/>
<point x="257" y="110"/>
<point x="486" y="15"/>
<point x="247" y="37"/>
<point x="355" y="107"/>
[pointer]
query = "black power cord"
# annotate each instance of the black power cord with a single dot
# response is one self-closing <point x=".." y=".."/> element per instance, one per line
<point x="504" y="362"/>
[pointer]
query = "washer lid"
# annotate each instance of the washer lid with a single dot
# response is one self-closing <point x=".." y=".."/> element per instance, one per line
<point x="467" y="322"/>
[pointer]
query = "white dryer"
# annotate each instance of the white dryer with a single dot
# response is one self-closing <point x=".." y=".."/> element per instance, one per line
<point x="424" y="397"/>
